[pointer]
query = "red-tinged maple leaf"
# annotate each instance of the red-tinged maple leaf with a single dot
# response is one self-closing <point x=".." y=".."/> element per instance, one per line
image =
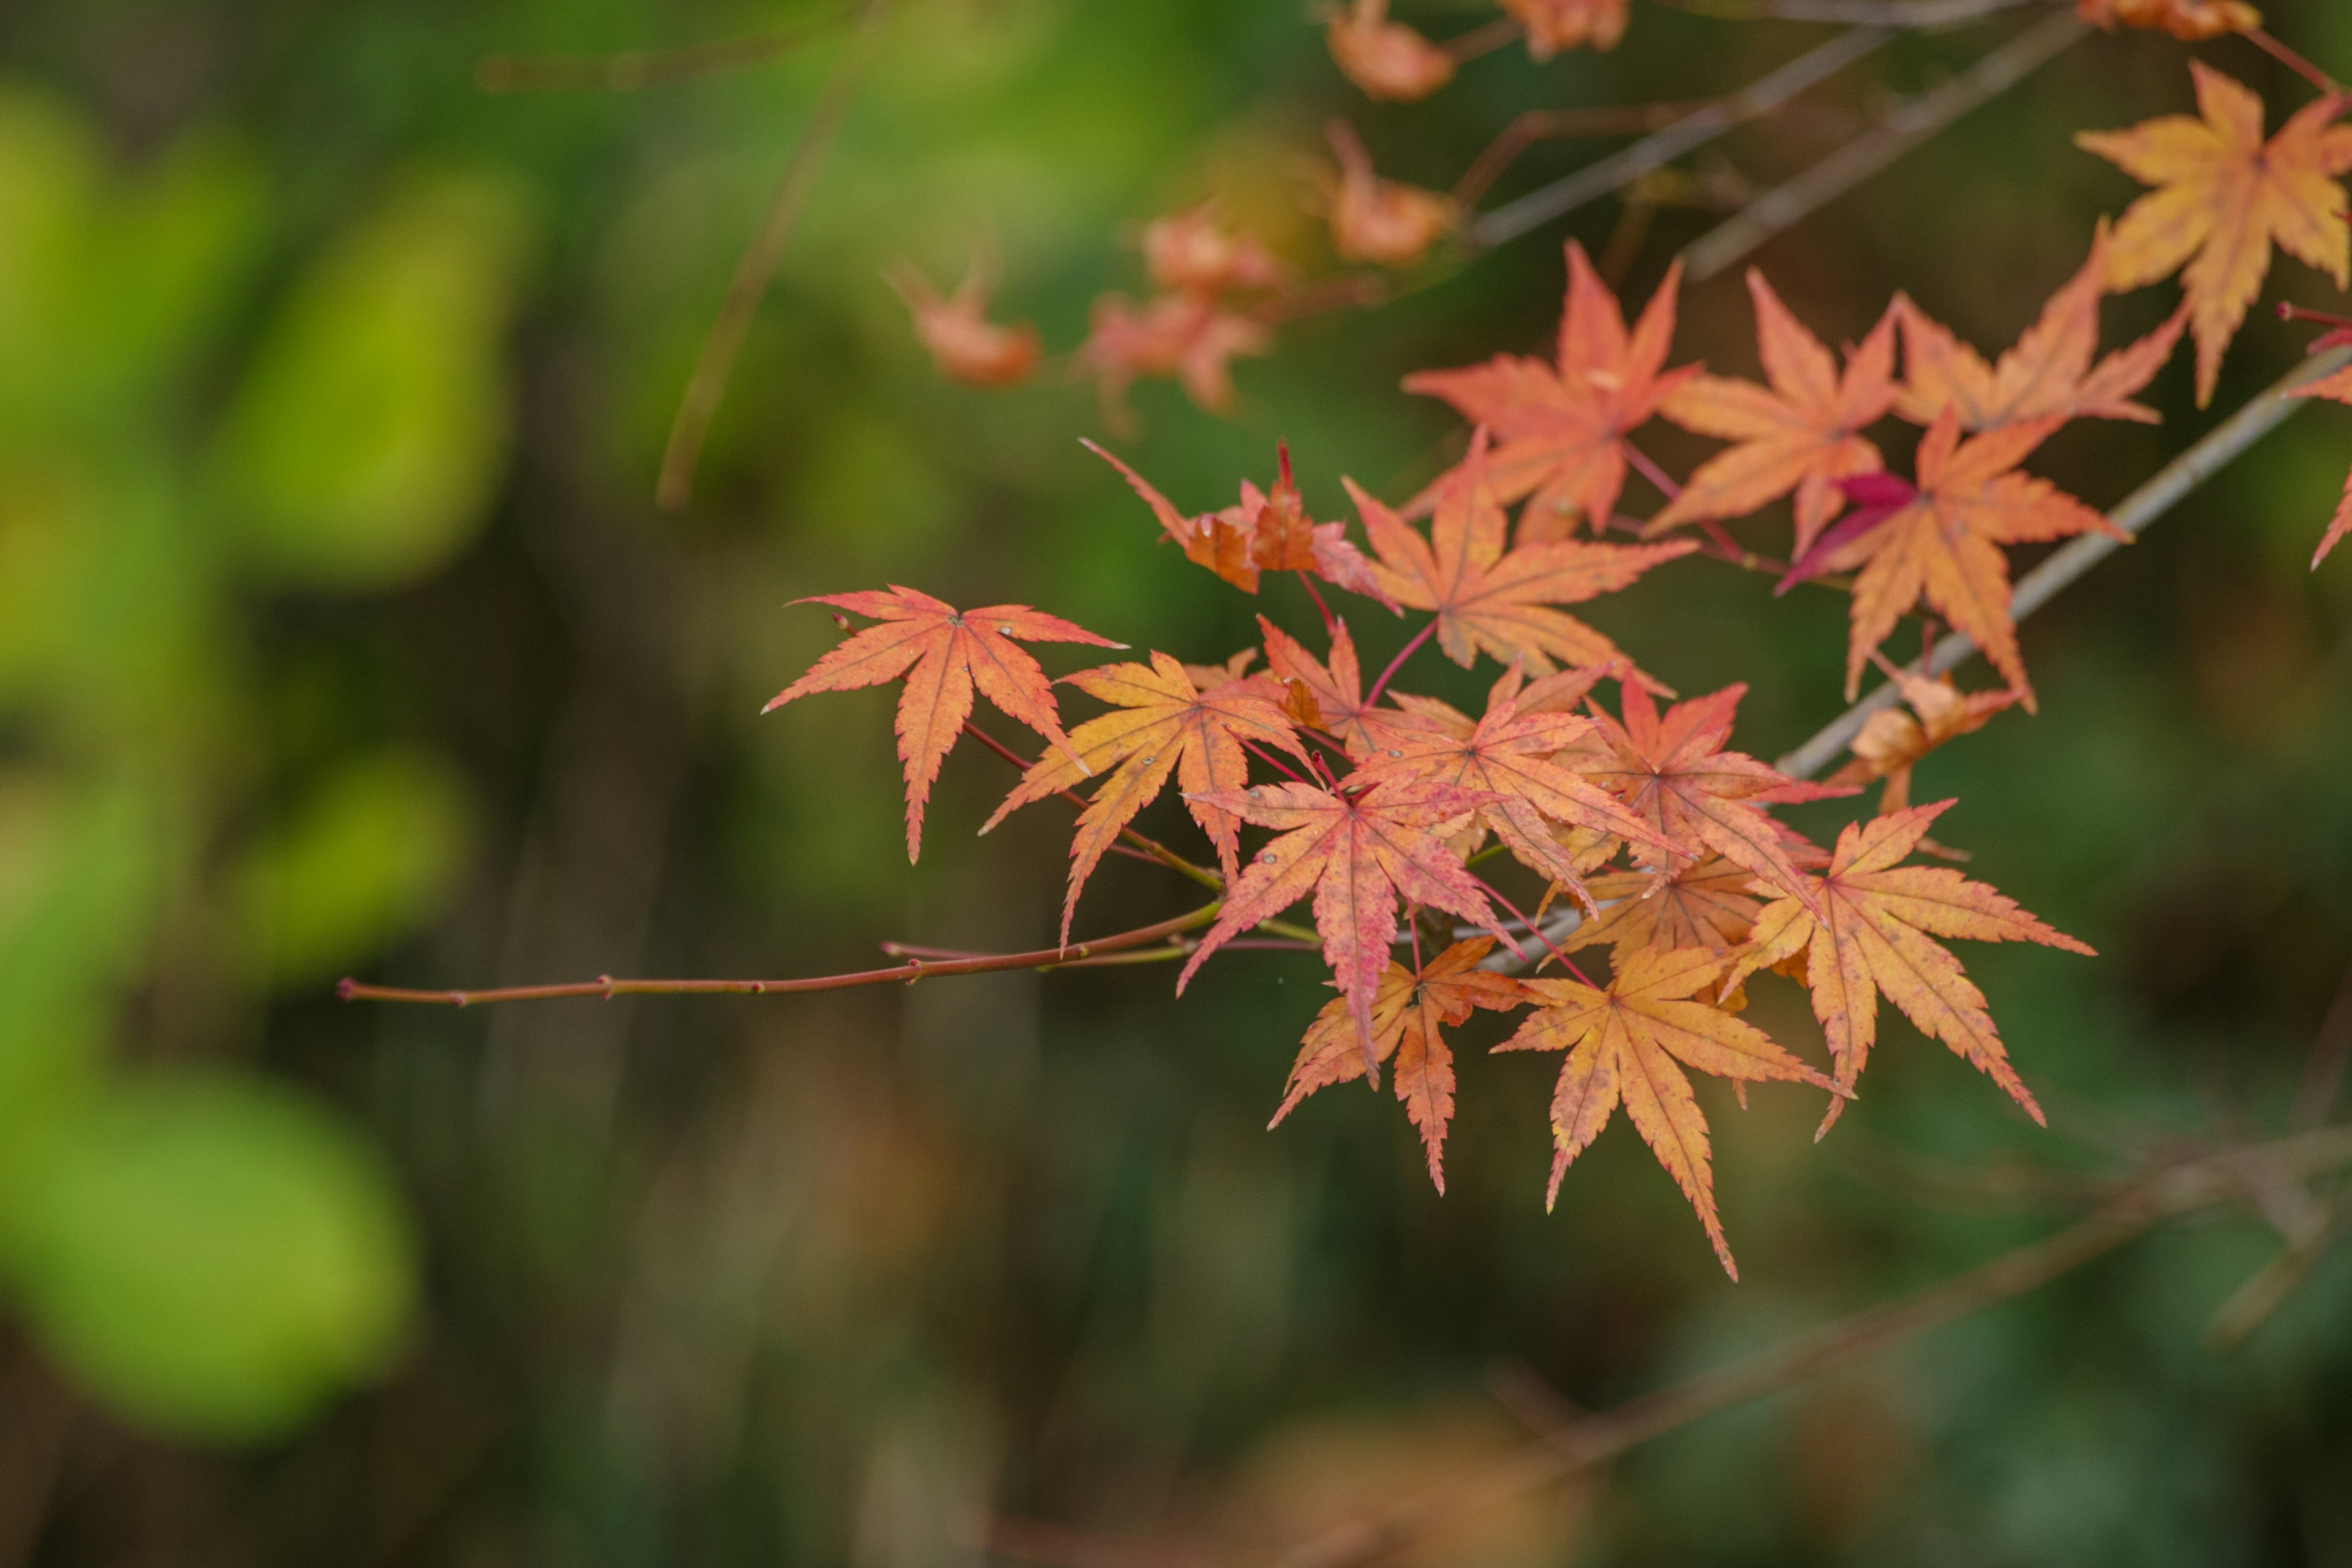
<point x="1162" y="724"/>
<point x="943" y="652"/>
<point x="1189" y="337"/>
<point x="1673" y="773"/>
<point x="1801" y="433"/>
<point x="1388" y="61"/>
<point x="2224" y="196"/>
<point x="956" y="333"/>
<point x="1355" y="853"/>
<point x="1407" y="1011"/>
<point x="1554" y="25"/>
<point x="1493" y="599"/>
<point x="1561" y="429"/>
<point x="1628" y="1045"/>
<point x="1871" y="935"/>
<point x="1267" y="531"/>
<point x="1336" y="687"/>
<point x="1892" y="741"/>
<point x="1942" y="544"/>
<point x="1380" y="221"/>
<point x="2048" y="375"/>
<point x="1506" y="756"/>
<point x="1208" y="678"/>
<point x="2338" y="387"/>
<point x="1710" y="903"/>
<point x="2190" y="21"/>
<point x="1192" y="252"/>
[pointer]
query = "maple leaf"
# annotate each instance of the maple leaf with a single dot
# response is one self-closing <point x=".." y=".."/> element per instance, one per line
<point x="1206" y="678"/>
<point x="1188" y="336"/>
<point x="1337" y="688"/>
<point x="2338" y="387"/>
<point x="1801" y="433"/>
<point x="1554" y="25"/>
<point x="1356" y="853"/>
<point x="1267" y="531"/>
<point x="943" y="652"/>
<point x="2223" y="197"/>
<point x="1164" y="724"/>
<point x="1407" y="1011"/>
<point x="1943" y="543"/>
<point x="1192" y="252"/>
<point x="1388" y="61"/>
<point x="2048" y="374"/>
<point x="1628" y="1045"/>
<point x="1871" y="935"/>
<point x="1560" y="430"/>
<point x="2190" y="21"/>
<point x="1709" y="903"/>
<point x="1506" y="757"/>
<point x="1495" y="600"/>
<point x="1892" y="741"/>
<point x="1384" y="222"/>
<point x="1673" y="773"/>
<point x="956" y="333"/>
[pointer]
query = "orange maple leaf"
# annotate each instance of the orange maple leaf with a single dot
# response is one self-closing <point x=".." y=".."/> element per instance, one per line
<point x="1673" y="773"/>
<point x="1493" y="599"/>
<point x="1941" y="543"/>
<point x="943" y="652"/>
<point x="1192" y="252"/>
<point x="1709" y="903"/>
<point x="1560" y="430"/>
<point x="2224" y="196"/>
<point x="1406" y="1014"/>
<point x="1801" y="433"/>
<point x="1629" y="1045"/>
<point x="1355" y="853"/>
<point x="2190" y="21"/>
<point x="1189" y="336"/>
<point x="2338" y="387"/>
<point x="1554" y="25"/>
<point x="1267" y="531"/>
<point x="1387" y="60"/>
<point x="1507" y="756"/>
<point x="1892" y="741"/>
<point x="1337" y="688"/>
<point x="1871" y="935"/>
<point x="1384" y="222"/>
<point x="956" y="333"/>
<point x="1164" y="724"/>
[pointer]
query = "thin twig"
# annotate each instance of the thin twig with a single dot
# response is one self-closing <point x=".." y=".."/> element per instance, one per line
<point x="758" y="268"/>
<point x="1594" y="180"/>
<point x="1911" y="122"/>
<point x="2169" y="1194"/>
<point x="1546" y="124"/>
<point x="2262" y="415"/>
<point x="605" y="988"/>
<point x="1909" y="14"/>
<point x="636" y="68"/>
<point x="1150" y="849"/>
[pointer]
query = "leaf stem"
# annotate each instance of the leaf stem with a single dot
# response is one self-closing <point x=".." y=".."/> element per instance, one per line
<point x="1396" y="663"/>
<point x="1151" y="847"/>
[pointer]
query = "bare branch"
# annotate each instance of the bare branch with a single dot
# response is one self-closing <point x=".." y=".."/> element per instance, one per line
<point x="1911" y="123"/>
<point x="752" y="274"/>
<point x="2261" y="416"/>
<point x="1910" y="14"/>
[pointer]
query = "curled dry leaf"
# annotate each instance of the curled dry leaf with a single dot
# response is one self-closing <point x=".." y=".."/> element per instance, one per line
<point x="1801" y="433"/>
<point x="1387" y="60"/>
<point x="1407" y="1011"/>
<point x="1554" y="25"/>
<point x="2338" y="387"/>
<point x="1192" y="252"/>
<point x="2223" y="197"/>
<point x="2190" y="21"/>
<point x="944" y="653"/>
<point x="1869" y="932"/>
<point x="1629" y="1045"/>
<point x="1267" y="531"/>
<point x="1380" y="221"/>
<point x="1560" y="429"/>
<point x="2047" y="375"/>
<point x="964" y="344"/>
<point x="1189" y="337"/>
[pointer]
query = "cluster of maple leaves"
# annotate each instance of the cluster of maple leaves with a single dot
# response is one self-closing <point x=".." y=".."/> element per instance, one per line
<point x="1647" y="834"/>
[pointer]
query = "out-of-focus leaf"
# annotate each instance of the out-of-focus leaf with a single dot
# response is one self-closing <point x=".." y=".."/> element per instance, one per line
<point x="364" y="448"/>
<point x="106" y="287"/>
<point x="211" y="1257"/>
<point x="370" y="853"/>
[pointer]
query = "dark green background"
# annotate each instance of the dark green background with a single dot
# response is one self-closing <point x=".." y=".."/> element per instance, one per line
<point x="337" y="632"/>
